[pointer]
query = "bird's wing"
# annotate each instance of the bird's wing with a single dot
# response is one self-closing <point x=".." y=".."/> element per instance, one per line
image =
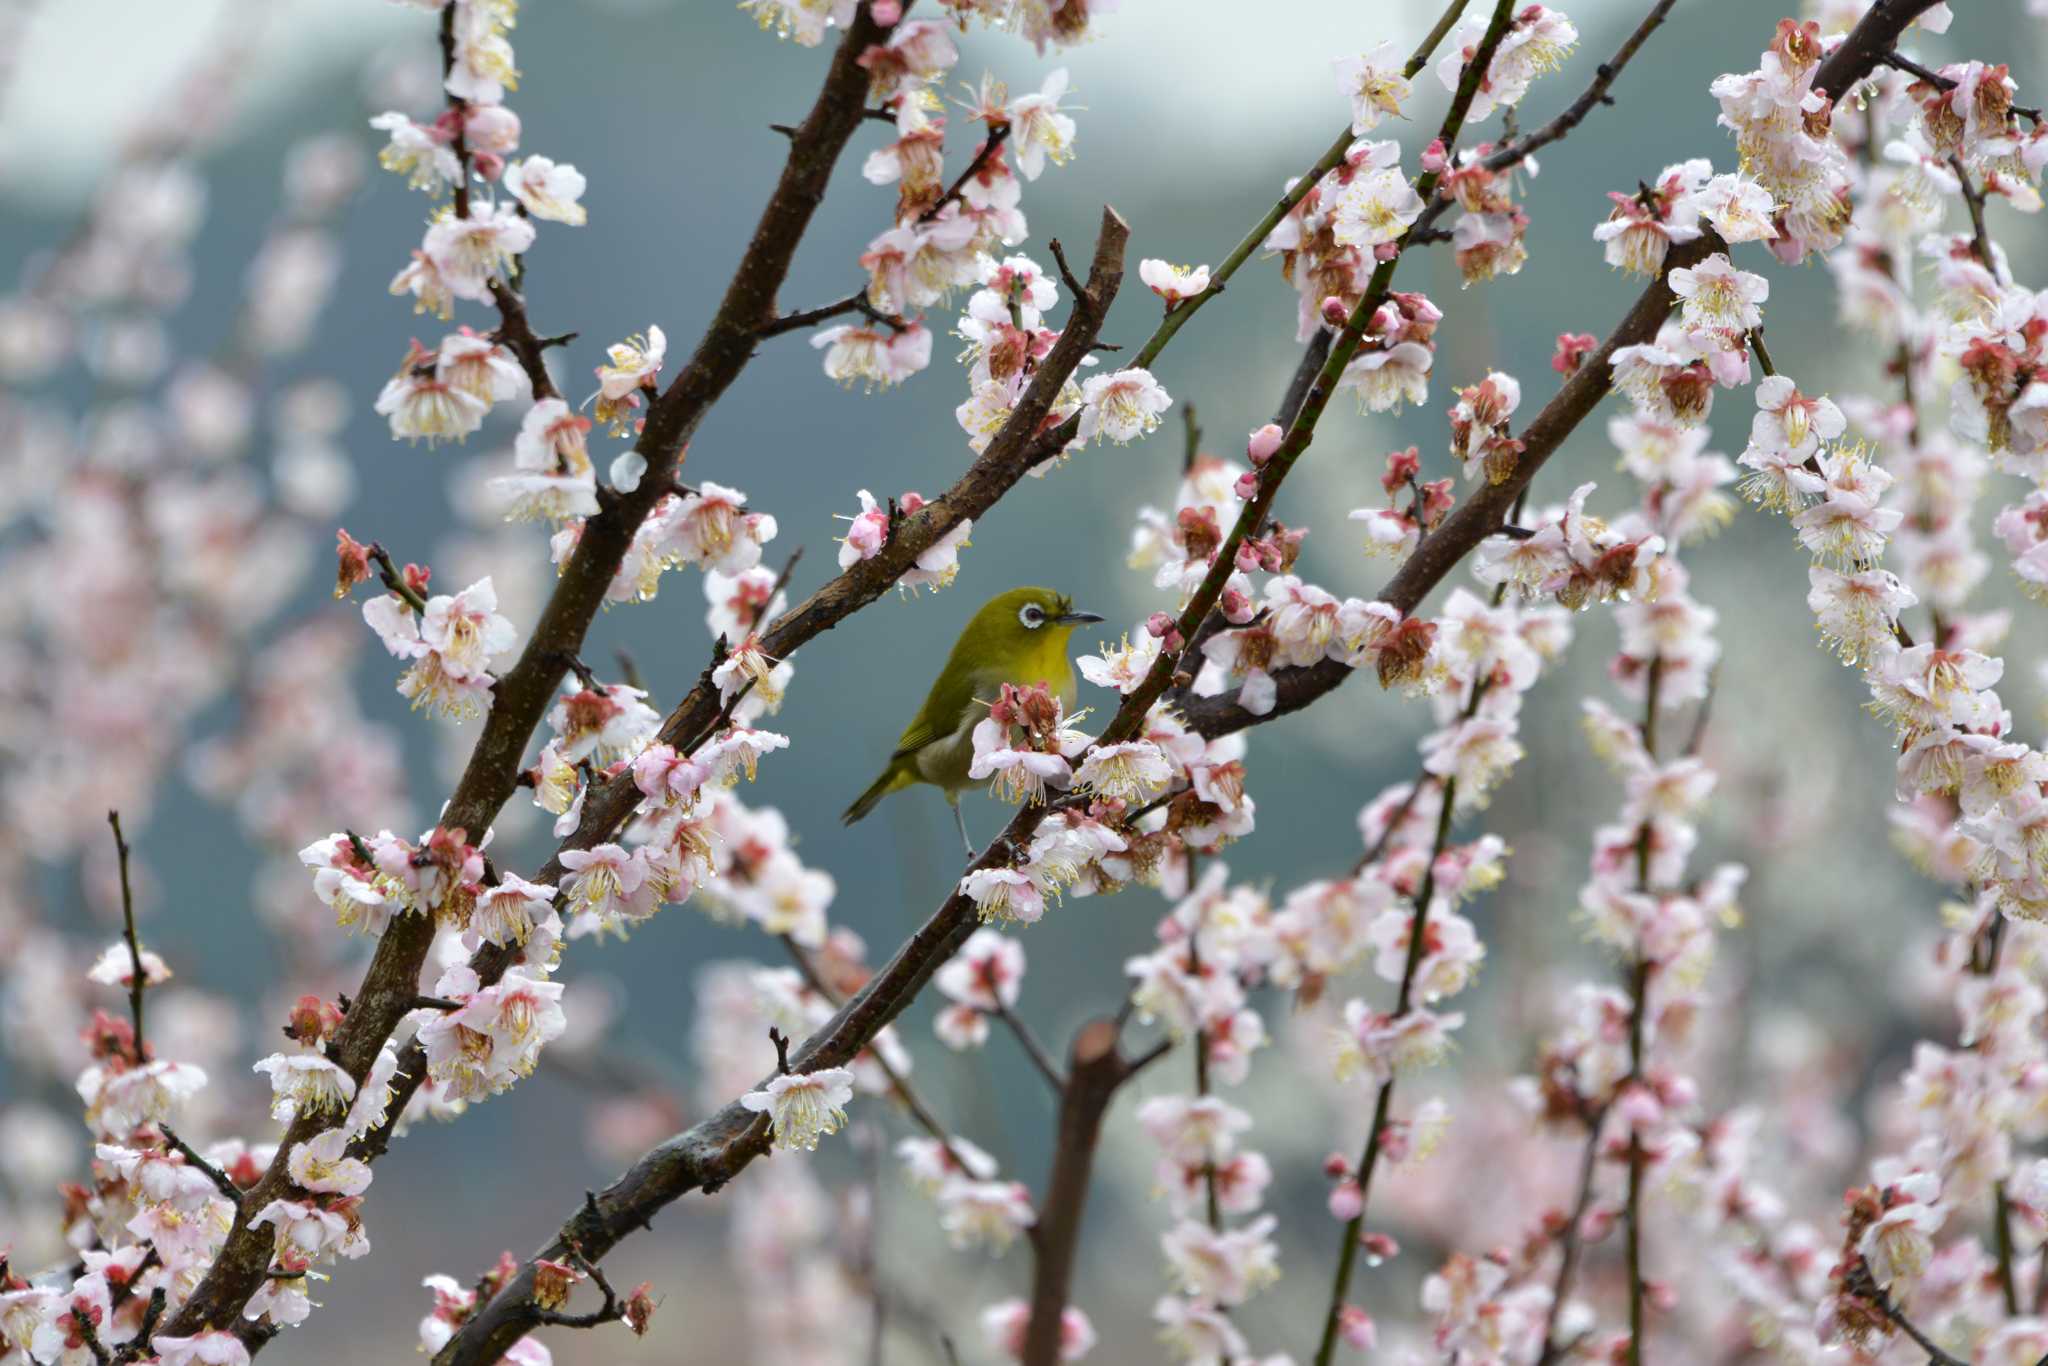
<point x="940" y="716"/>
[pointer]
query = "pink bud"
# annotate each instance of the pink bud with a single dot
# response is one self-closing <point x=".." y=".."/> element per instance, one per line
<point x="1598" y="1223"/>
<point x="1355" y="1326"/>
<point x="1159" y="625"/>
<point x="1379" y="1246"/>
<point x="1386" y="251"/>
<point x="1347" y="1201"/>
<point x="1247" y="485"/>
<point x="1248" y="558"/>
<point x="1663" y="1295"/>
<point x="1572" y="350"/>
<point x="1335" y="312"/>
<point x="1238" y="607"/>
<point x="1336" y="1166"/>
<point x="1434" y="158"/>
<point x="1639" y="1108"/>
<point x="1264" y="443"/>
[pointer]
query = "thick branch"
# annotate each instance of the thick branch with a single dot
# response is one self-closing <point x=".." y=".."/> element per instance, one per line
<point x="1095" y="1072"/>
<point x="711" y="1153"/>
<point x="1867" y="45"/>
<point x="524" y="693"/>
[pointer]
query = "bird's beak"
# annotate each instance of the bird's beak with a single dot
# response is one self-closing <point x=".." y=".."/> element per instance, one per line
<point x="1077" y="618"/>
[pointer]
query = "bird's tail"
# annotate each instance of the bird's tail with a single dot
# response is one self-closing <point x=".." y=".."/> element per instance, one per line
<point x="893" y="779"/>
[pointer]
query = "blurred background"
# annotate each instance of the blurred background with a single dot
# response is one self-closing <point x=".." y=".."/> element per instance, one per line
<point x="1192" y="115"/>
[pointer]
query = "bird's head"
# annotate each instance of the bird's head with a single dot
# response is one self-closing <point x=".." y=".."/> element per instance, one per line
<point x="1024" y="621"/>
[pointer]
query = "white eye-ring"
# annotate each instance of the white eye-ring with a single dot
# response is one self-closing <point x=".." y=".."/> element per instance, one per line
<point x="1032" y="615"/>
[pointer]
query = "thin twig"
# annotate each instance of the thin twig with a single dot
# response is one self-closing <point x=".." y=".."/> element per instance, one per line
<point x="998" y="134"/>
<point x="221" y="1181"/>
<point x="1569" y="1241"/>
<point x="1512" y="151"/>
<point x="1974" y="198"/>
<point x="394" y="580"/>
<point x="137" y="979"/>
<point x="1383" y="1105"/>
<point x="1899" y="61"/>
<point x="1033" y="1049"/>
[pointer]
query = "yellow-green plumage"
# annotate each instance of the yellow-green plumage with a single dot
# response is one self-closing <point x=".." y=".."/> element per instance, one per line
<point x="1000" y="645"/>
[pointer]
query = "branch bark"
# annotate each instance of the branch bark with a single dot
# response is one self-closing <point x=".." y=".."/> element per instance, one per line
<point x="710" y="1154"/>
<point x="1095" y="1071"/>
<point x="523" y="694"/>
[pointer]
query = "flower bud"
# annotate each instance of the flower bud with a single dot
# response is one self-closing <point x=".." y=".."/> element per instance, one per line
<point x="1572" y="350"/>
<point x="1347" y="1201"/>
<point x="1355" y="1326"/>
<point x="1247" y="486"/>
<point x="1264" y="443"/>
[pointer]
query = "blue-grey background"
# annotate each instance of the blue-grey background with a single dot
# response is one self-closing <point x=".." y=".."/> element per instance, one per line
<point x="1191" y="115"/>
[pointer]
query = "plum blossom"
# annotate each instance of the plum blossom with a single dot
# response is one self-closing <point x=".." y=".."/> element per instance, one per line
<point x="1004" y="894"/>
<point x="1377" y="204"/>
<point x="875" y="357"/>
<point x="1173" y="283"/>
<point x="1039" y="130"/>
<point x="468" y="253"/>
<point x="1122" y="406"/>
<point x="306" y="1083"/>
<point x="803" y="1107"/>
<point x="1131" y="770"/>
<point x="1376" y="85"/>
<point x="547" y="189"/>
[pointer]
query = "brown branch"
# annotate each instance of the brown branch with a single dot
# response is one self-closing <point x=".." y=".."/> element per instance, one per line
<point x="524" y="693"/>
<point x="811" y="317"/>
<point x="136" y="978"/>
<point x="1974" y="199"/>
<point x="1570" y="1242"/>
<point x="1899" y="61"/>
<point x="991" y="145"/>
<point x="1096" y="1069"/>
<point x="1867" y="44"/>
<point x="1033" y="1049"/>
<point x="710" y="1154"/>
<point x="926" y="1118"/>
<point x="514" y="332"/>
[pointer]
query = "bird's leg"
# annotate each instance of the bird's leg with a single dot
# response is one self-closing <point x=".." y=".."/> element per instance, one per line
<point x="960" y="820"/>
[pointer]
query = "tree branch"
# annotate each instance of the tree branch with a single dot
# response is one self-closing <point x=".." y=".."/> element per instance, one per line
<point x="1095" y="1070"/>
<point x="137" y="982"/>
<point x="524" y="693"/>
<point x="707" y="1156"/>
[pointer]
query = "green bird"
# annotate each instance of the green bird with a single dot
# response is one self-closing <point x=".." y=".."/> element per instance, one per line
<point x="1017" y="637"/>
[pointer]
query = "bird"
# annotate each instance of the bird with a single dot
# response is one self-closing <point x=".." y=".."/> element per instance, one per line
<point x="1017" y="637"/>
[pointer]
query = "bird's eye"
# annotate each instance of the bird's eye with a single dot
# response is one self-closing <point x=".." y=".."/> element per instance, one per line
<point x="1032" y="615"/>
